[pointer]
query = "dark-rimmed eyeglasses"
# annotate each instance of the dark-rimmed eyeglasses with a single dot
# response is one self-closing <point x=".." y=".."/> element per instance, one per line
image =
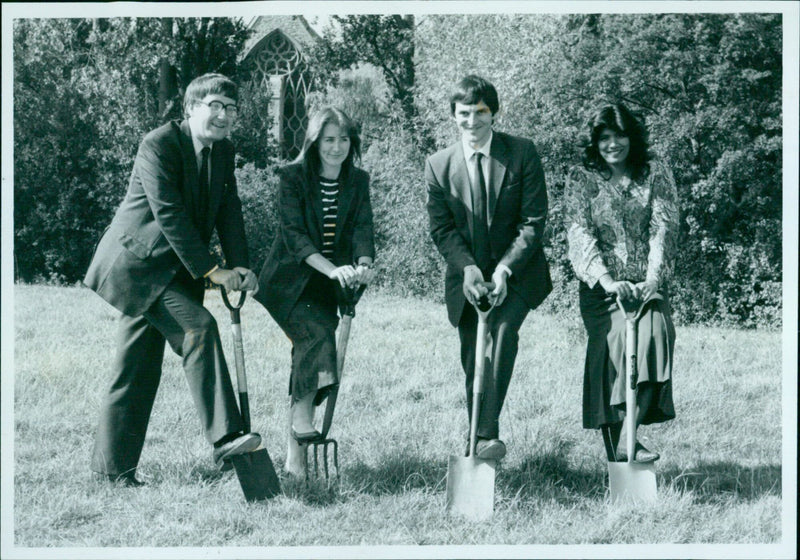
<point x="217" y="107"/>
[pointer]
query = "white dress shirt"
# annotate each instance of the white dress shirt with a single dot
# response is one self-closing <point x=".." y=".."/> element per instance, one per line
<point x="469" y="155"/>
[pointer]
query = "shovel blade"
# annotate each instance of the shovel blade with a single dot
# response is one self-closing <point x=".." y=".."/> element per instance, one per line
<point x="256" y="475"/>
<point x="632" y="482"/>
<point x="470" y="487"/>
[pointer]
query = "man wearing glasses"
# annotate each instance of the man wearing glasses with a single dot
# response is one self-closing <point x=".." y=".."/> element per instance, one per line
<point x="151" y="264"/>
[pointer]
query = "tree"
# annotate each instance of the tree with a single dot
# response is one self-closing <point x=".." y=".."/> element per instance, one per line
<point x="386" y="42"/>
<point x="85" y="92"/>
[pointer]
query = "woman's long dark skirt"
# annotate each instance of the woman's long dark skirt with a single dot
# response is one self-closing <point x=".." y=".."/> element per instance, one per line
<point x="311" y="326"/>
<point x="603" y="386"/>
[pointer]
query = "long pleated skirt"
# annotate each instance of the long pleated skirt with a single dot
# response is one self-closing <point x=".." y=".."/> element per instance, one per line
<point x="604" y="371"/>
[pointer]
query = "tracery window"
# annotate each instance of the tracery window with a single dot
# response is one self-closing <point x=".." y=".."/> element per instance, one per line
<point x="280" y="66"/>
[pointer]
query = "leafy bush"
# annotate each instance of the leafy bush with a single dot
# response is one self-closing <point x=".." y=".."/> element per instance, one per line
<point x="258" y="191"/>
<point x="408" y="262"/>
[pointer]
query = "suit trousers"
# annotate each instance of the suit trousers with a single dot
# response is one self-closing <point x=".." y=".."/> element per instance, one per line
<point x="177" y="317"/>
<point x="504" y="323"/>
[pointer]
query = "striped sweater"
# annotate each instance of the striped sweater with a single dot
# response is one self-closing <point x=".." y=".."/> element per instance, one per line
<point x="329" y="189"/>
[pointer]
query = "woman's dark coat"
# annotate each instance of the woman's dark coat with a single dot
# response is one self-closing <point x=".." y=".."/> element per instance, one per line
<point x="285" y="272"/>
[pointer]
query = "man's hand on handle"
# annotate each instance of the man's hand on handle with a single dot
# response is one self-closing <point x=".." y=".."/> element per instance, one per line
<point x="499" y="279"/>
<point x="474" y="288"/>
<point x="238" y="279"/>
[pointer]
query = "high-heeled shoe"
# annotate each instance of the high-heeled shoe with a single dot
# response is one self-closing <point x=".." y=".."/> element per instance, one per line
<point x="306" y="437"/>
<point x="643" y="455"/>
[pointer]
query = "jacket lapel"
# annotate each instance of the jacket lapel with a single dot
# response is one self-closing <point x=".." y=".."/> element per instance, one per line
<point x="498" y="163"/>
<point x="460" y="186"/>
<point x="314" y="196"/>
<point x="191" y="176"/>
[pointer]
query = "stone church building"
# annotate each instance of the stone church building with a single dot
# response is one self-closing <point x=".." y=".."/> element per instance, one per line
<point x="274" y="55"/>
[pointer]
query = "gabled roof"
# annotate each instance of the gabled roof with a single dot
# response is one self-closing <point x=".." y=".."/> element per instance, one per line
<point x="295" y="28"/>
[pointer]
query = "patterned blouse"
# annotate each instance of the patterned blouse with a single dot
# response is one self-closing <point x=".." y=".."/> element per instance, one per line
<point x="628" y="231"/>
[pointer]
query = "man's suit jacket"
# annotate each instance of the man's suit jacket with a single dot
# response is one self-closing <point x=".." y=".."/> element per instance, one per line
<point x="517" y="208"/>
<point x="158" y="227"/>
<point x="285" y="273"/>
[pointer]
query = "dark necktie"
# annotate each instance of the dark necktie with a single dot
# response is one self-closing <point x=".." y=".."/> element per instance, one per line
<point x="202" y="199"/>
<point x="480" y="230"/>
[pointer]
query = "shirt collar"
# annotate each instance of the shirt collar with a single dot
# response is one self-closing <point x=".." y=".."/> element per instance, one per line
<point x="198" y="146"/>
<point x="485" y="149"/>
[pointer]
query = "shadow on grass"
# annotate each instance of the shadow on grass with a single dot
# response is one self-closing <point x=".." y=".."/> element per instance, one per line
<point x="710" y="482"/>
<point x="549" y="476"/>
<point x="541" y="477"/>
<point x="397" y="474"/>
<point x="206" y="473"/>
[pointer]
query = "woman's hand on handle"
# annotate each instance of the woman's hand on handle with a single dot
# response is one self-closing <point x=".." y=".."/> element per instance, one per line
<point x="364" y="273"/>
<point x="647" y="289"/>
<point x="249" y="280"/>
<point x="345" y="275"/>
<point x="623" y="288"/>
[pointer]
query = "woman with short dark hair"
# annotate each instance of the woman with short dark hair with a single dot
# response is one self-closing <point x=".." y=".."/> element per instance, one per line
<point x="621" y="216"/>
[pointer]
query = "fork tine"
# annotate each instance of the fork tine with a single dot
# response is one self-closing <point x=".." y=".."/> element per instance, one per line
<point x="325" y="456"/>
<point x="336" y="458"/>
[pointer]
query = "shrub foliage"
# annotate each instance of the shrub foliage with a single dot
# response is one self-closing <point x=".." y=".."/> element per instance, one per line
<point x="707" y="85"/>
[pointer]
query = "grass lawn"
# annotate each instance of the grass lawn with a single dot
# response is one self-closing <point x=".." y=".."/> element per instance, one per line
<point x="399" y="416"/>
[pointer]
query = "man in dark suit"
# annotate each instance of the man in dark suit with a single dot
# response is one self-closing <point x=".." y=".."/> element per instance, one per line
<point x="151" y="263"/>
<point x="487" y="205"/>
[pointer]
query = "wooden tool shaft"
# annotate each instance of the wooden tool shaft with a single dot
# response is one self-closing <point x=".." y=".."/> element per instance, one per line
<point x="477" y="381"/>
<point x="631" y="380"/>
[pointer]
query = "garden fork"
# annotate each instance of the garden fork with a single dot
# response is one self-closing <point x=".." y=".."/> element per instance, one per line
<point x="348" y="298"/>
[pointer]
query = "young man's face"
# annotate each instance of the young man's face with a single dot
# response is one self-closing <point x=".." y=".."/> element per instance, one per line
<point x="475" y="122"/>
<point x="212" y="117"/>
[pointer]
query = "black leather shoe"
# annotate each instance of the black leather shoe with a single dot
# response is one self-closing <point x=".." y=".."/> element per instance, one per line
<point x="643" y="455"/>
<point x="490" y="449"/>
<point x="242" y="444"/>
<point x="128" y="479"/>
<point x="306" y="437"/>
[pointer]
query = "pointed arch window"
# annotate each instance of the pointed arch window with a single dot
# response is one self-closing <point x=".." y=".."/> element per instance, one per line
<point x="280" y="66"/>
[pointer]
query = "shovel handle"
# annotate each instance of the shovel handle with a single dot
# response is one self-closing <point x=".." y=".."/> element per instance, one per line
<point x="485" y="304"/>
<point x="477" y="380"/>
<point x="348" y="298"/>
<point x="631" y="372"/>
<point x="239" y="304"/>
<point x="238" y="354"/>
<point x="632" y="309"/>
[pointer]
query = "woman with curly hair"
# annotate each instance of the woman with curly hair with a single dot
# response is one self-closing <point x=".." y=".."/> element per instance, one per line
<point x="621" y="217"/>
